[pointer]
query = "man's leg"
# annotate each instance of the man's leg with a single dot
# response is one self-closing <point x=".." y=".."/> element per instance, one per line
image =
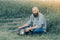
<point x="37" y="31"/>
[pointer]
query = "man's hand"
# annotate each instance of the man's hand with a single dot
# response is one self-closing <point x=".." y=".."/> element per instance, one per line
<point x="27" y="30"/>
<point x="19" y="28"/>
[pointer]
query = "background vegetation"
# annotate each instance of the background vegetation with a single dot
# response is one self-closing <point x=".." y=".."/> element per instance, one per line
<point x="14" y="14"/>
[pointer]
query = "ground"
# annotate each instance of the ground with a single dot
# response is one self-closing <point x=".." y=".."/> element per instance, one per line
<point x="6" y="28"/>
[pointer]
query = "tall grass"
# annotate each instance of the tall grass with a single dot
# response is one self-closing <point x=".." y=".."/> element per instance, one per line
<point x="11" y="9"/>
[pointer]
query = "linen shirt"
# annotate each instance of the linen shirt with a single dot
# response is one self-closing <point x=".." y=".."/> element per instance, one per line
<point x="38" y="22"/>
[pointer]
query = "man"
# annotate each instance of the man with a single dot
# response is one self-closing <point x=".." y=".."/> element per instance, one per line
<point x="36" y="23"/>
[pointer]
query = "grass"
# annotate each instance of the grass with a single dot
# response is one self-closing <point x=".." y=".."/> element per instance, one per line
<point x="6" y="35"/>
<point x="13" y="15"/>
<point x="6" y="28"/>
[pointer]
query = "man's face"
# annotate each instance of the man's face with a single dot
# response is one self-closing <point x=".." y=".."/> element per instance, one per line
<point x="35" y="12"/>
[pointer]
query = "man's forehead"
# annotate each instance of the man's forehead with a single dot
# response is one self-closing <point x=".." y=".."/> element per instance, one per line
<point x="35" y="8"/>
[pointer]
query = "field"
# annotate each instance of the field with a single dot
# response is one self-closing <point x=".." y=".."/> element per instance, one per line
<point x="14" y="14"/>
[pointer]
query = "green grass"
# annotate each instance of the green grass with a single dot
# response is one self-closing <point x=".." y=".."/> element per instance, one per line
<point x="6" y="28"/>
<point x="6" y="35"/>
<point x="13" y="15"/>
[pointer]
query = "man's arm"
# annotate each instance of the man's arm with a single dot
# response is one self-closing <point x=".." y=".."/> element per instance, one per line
<point x="31" y="28"/>
<point x="22" y="26"/>
<point x="27" y="24"/>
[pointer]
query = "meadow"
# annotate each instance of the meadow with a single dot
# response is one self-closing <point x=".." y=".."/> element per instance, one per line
<point x="14" y="14"/>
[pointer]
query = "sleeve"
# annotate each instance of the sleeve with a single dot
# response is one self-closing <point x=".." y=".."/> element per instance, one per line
<point x="30" y="21"/>
<point x="41" y="22"/>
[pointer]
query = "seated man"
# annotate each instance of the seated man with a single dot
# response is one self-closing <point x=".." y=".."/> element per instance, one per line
<point x="36" y="23"/>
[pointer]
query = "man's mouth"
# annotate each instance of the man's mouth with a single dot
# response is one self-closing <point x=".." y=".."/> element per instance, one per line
<point x="35" y="15"/>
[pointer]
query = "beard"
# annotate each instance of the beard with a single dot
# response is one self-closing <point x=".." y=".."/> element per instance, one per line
<point x="35" y="15"/>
